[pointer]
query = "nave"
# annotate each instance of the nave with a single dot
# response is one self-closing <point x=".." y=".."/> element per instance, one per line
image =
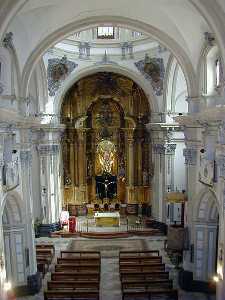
<point x="110" y="284"/>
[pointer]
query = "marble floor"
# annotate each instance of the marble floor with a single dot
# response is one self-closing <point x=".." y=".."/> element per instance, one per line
<point x="110" y="284"/>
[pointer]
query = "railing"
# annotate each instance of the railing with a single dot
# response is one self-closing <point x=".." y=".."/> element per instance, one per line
<point x="126" y="225"/>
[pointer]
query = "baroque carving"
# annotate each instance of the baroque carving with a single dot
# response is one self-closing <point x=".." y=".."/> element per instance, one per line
<point x="153" y="70"/>
<point x="8" y="40"/>
<point x="58" y="70"/>
<point x="190" y="156"/>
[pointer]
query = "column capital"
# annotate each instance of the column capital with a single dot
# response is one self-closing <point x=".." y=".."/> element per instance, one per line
<point x="171" y="148"/>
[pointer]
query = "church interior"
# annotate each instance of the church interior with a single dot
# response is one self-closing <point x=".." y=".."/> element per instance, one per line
<point x="112" y="142"/>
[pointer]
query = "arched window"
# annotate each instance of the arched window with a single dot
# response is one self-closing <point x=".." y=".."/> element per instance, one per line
<point x="106" y="32"/>
<point x="218" y="71"/>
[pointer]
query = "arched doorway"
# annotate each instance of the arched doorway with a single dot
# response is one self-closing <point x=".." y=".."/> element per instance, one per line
<point x="14" y="240"/>
<point x="206" y="228"/>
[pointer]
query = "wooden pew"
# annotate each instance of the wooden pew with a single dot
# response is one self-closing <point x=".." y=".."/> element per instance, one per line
<point x="73" y="285"/>
<point x="46" y="246"/>
<point x="146" y="253"/>
<point x="142" y="268"/>
<point x="140" y="260"/>
<point x="88" y="268"/>
<point x="83" y="254"/>
<point x="80" y="261"/>
<point x="44" y="256"/>
<point x="75" y="294"/>
<point x="132" y="277"/>
<point x="69" y="276"/>
<point x="147" y="284"/>
<point x="149" y="294"/>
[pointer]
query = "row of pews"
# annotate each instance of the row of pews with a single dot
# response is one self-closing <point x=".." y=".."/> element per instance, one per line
<point x="44" y="255"/>
<point x="76" y="276"/>
<point x="143" y="274"/>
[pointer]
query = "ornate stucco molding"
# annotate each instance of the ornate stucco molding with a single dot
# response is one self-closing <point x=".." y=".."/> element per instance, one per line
<point x="153" y="70"/>
<point x="58" y="70"/>
<point x="8" y="40"/>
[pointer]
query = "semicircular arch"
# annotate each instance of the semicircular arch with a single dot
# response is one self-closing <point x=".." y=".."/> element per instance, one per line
<point x="155" y="33"/>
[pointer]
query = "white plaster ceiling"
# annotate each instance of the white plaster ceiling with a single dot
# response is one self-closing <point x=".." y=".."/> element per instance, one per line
<point x="39" y="19"/>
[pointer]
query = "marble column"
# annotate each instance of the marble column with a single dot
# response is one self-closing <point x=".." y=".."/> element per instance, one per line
<point x="169" y="163"/>
<point x="158" y="209"/>
<point x="49" y="157"/>
<point x="191" y="155"/>
<point x="26" y="186"/>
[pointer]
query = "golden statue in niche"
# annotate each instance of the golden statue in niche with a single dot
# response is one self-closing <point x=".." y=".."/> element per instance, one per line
<point x="106" y="151"/>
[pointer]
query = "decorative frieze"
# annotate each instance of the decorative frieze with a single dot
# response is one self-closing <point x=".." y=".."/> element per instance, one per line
<point x="48" y="149"/>
<point x="190" y="156"/>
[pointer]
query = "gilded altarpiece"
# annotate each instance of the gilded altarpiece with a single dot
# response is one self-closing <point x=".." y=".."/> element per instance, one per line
<point x="105" y="116"/>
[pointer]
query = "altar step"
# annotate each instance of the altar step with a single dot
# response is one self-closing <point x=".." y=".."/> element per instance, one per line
<point x="107" y="235"/>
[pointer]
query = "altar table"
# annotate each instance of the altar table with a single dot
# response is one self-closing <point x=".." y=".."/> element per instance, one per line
<point x="107" y="219"/>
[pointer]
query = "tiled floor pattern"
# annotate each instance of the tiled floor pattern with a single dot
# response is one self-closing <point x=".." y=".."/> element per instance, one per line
<point x="110" y="283"/>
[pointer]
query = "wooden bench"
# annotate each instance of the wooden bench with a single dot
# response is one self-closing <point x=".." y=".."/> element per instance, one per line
<point x="76" y="294"/>
<point x="77" y="268"/>
<point x="46" y="246"/>
<point x="73" y="285"/>
<point x="140" y="259"/>
<point x="84" y="254"/>
<point x="69" y="276"/>
<point x="141" y="268"/>
<point x="146" y="284"/>
<point x="150" y="294"/>
<point x="146" y="253"/>
<point x="129" y="277"/>
<point x="79" y="260"/>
